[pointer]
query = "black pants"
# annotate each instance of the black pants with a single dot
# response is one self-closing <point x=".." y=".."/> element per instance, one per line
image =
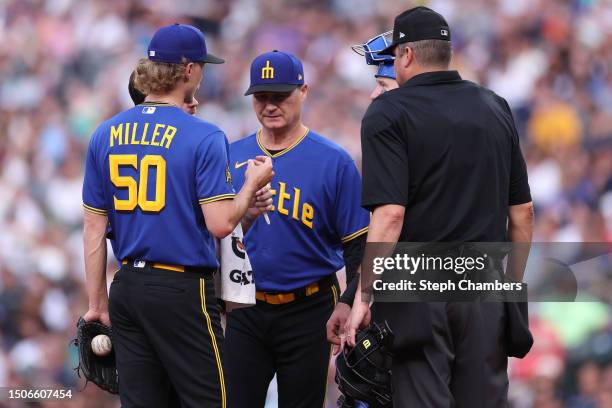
<point x="463" y="366"/>
<point x="288" y="340"/>
<point x="167" y="339"/>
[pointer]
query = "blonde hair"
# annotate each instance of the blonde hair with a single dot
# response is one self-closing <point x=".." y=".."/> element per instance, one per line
<point x="157" y="77"/>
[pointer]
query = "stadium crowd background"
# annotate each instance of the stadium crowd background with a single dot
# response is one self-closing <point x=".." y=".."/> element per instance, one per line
<point x="64" y="66"/>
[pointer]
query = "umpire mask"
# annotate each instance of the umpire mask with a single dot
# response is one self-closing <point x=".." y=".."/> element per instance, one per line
<point x="364" y="372"/>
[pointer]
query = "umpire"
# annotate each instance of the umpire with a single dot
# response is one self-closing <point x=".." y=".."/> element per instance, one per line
<point x="160" y="177"/>
<point x="442" y="163"/>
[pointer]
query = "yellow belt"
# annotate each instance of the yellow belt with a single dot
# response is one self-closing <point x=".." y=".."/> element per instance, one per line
<point x="282" y="298"/>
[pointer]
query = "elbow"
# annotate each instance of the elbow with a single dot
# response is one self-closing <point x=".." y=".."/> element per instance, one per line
<point x="221" y="230"/>
<point x="530" y="213"/>
<point x="523" y="215"/>
<point x="393" y="216"/>
<point x="521" y="219"/>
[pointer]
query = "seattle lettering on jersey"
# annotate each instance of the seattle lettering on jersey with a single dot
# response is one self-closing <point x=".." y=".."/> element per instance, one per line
<point x="135" y="133"/>
<point x="305" y="214"/>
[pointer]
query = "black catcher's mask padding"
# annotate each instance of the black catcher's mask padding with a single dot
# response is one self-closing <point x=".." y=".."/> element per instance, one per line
<point x="364" y="372"/>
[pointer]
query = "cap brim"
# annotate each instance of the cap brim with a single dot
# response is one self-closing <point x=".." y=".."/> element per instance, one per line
<point x="389" y="50"/>
<point x="271" y="88"/>
<point x="211" y="59"/>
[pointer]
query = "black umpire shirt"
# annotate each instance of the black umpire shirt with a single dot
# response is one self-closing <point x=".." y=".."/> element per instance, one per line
<point x="447" y="150"/>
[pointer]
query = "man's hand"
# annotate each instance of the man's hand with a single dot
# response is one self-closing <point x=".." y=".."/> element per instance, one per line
<point x="262" y="202"/>
<point x="97" y="316"/>
<point x="359" y="318"/>
<point x="259" y="172"/>
<point x="336" y="325"/>
<point x="222" y="216"/>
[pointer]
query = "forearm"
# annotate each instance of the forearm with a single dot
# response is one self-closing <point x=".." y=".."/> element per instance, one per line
<point x="383" y="233"/>
<point x="222" y="216"/>
<point x="520" y="233"/>
<point x="348" y="296"/>
<point x="94" y="244"/>
<point x="353" y="254"/>
<point x="241" y="203"/>
<point x="384" y="228"/>
<point x="247" y="221"/>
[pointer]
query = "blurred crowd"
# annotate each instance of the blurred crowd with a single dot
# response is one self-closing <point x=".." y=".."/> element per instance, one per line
<point x="64" y="68"/>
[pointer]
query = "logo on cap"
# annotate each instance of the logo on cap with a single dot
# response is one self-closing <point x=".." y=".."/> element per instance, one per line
<point x="299" y="77"/>
<point x="444" y="33"/>
<point x="401" y="35"/>
<point x="267" y="72"/>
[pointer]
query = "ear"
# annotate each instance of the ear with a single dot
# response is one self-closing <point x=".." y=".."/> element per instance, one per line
<point x="303" y="91"/>
<point x="189" y="70"/>
<point x="409" y="54"/>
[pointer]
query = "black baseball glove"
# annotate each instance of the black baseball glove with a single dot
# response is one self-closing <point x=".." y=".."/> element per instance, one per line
<point x="100" y="370"/>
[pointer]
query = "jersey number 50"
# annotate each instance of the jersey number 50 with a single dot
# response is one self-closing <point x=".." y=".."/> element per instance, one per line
<point x="137" y="194"/>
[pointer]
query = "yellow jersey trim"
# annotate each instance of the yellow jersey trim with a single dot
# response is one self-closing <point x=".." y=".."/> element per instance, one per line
<point x="94" y="209"/>
<point x="354" y="235"/>
<point x="213" y="340"/>
<point x="335" y="294"/>
<point x="217" y="198"/>
<point x="285" y="150"/>
<point x="335" y="298"/>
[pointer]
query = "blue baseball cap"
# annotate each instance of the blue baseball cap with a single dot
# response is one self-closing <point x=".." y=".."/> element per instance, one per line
<point x="385" y="70"/>
<point x="177" y="41"/>
<point x="275" y="71"/>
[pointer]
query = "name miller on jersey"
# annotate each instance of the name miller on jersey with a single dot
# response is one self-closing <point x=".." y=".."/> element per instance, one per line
<point x="120" y="134"/>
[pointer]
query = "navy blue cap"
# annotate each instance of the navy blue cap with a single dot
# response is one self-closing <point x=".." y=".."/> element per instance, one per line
<point x="416" y="24"/>
<point x="275" y="71"/>
<point x="177" y="41"/>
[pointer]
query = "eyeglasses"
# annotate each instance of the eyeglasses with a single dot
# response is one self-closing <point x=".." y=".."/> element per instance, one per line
<point x="371" y="48"/>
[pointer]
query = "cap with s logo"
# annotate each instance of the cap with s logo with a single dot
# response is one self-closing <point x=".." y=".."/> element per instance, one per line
<point x="275" y="71"/>
<point x="177" y="41"/>
<point x="416" y="24"/>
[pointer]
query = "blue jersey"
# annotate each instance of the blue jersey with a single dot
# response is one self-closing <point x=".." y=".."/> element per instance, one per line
<point x="149" y="169"/>
<point x="317" y="196"/>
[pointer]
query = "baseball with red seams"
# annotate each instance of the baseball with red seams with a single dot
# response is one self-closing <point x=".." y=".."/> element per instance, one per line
<point x="101" y="345"/>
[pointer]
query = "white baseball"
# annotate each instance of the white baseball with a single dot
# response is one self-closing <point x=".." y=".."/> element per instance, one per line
<point x="101" y="345"/>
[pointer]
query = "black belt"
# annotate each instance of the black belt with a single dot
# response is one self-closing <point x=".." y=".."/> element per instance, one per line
<point x="174" y="268"/>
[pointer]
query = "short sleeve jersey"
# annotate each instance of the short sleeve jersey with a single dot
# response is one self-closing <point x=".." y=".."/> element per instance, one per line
<point x="149" y="169"/>
<point x="317" y="191"/>
<point x="448" y="151"/>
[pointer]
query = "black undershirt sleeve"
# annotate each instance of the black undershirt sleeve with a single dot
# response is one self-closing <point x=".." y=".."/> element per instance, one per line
<point x="353" y="254"/>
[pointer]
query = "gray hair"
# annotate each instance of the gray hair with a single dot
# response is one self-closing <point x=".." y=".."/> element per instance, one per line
<point x="430" y="52"/>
